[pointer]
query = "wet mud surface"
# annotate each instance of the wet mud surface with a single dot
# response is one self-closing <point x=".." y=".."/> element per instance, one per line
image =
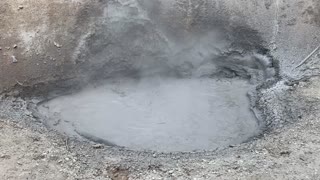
<point x="159" y="114"/>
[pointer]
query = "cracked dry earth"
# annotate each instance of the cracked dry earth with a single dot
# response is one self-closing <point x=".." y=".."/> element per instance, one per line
<point x="292" y="152"/>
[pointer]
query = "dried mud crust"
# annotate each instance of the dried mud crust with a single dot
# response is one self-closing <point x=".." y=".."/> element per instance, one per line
<point x="28" y="150"/>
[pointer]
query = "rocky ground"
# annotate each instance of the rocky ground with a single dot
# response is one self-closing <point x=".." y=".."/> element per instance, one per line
<point x="291" y="152"/>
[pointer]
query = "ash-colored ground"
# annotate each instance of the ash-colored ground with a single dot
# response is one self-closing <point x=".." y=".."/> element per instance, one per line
<point x="291" y="152"/>
<point x="47" y="40"/>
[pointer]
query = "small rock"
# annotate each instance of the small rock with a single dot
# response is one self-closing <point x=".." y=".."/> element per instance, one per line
<point x="285" y="153"/>
<point x="39" y="156"/>
<point x="21" y="7"/>
<point x="154" y="155"/>
<point x="0" y="48"/>
<point x="57" y="45"/>
<point x="15" y="46"/>
<point x="97" y="146"/>
<point x="5" y="156"/>
<point x="28" y="113"/>
<point x="14" y="59"/>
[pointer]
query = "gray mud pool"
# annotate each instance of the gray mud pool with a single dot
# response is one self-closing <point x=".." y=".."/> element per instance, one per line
<point x="160" y="114"/>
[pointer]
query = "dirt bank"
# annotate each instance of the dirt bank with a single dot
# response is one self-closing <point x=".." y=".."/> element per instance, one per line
<point x="60" y="37"/>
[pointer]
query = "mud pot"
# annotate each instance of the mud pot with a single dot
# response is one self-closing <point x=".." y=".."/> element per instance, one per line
<point x="141" y="86"/>
<point x="134" y="86"/>
<point x="158" y="114"/>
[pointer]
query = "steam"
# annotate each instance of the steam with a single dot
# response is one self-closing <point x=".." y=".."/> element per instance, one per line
<point x="173" y="38"/>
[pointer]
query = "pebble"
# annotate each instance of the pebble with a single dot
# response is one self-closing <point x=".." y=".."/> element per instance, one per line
<point x="28" y="113"/>
<point x="57" y="45"/>
<point x="14" y="59"/>
<point x="285" y="153"/>
<point x="5" y="156"/>
<point x="15" y="46"/>
<point x="154" y="155"/>
<point x="39" y="156"/>
<point x="97" y="146"/>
